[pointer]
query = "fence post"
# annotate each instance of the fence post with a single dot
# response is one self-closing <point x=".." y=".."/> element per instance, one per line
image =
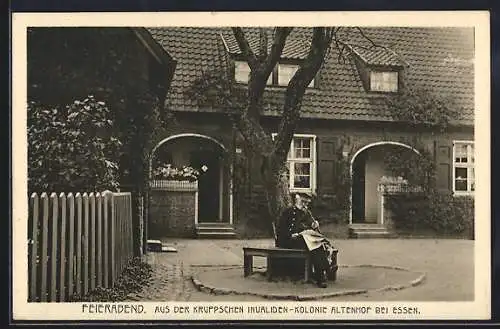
<point x="85" y="243"/>
<point x="62" y="247"/>
<point x="78" y="199"/>
<point x="99" y="238"/>
<point x="112" y="228"/>
<point x="71" y="243"/>
<point x="33" y="262"/>
<point x="106" y="241"/>
<point x="92" y="241"/>
<point x="53" y="246"/>
<point x="44" y="258"/>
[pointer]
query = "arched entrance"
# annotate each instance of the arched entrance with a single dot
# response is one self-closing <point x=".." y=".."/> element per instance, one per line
<point x="209" y="156"/>
<point x="367" y="168"/>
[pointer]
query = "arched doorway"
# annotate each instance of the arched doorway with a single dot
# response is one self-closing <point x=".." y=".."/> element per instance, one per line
<point x="209" y="156"/>
<point x="367" y="168"/>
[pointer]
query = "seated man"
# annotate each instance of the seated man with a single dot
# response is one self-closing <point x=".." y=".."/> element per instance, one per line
<point x="297" y="229"/>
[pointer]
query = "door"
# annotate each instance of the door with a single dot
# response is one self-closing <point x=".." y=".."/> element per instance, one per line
<point x="208" y="164"/>
<point x="358" y="189"/>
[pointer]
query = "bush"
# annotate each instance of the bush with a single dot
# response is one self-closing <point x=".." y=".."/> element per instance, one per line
<point x="72" y="147"/>
<point x="439" y="213"/>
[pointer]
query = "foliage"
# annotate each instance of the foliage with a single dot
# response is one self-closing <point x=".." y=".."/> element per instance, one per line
<point x="216" y="89"/>
<point x="109" y="63"/>
<point x="428" y="211"/>
<point x="72" y="147"/>
<point x="420" y="107"/>
<point x="433" y="211"/>
<point x="335" y="208"/>
<point x="134" y="277"/>
<point x="167" y="172"/>
<point x="417" y="169"/>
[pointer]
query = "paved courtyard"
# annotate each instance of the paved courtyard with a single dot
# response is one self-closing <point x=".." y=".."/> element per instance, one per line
<point x="448" y="265"/>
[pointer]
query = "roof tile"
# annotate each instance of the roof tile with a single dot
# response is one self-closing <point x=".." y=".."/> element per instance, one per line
<point x="437" y="59"/>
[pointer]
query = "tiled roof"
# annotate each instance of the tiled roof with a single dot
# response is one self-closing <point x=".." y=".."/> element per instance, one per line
<point x="295" y="48"/>
<point x="437" y="59"/>
<point x="378" y="56"/>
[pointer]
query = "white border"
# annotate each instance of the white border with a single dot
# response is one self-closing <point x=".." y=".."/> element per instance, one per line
<point x="478" y="309"/>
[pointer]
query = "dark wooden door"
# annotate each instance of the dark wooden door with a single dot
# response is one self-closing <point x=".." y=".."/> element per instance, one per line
<point x="358" y="189"/>
<point x="208" y="164"/>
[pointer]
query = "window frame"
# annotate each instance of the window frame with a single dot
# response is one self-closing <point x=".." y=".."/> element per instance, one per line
<point x="469" y="166"/>
<point x="388" y="70"/>
<point x="273" y="80"/>
<point x="312" y="160"/>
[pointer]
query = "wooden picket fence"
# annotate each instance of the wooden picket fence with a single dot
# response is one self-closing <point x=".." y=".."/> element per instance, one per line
<point x="77" y="243"/>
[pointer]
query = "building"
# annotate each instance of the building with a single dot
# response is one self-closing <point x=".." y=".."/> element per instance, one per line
<point x="343" y="114"/>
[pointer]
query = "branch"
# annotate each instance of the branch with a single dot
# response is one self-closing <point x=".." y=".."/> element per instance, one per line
<point x="254" y="134"/>
<point x="245" y="48"/>
<point x="279" y="40"/>
<point x="321" y="40"/>
<point x="260" y="74"/>
<point x="262" y="43"/>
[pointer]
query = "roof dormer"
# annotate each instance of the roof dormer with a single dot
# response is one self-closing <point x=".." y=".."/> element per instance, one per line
<point x="293" y="54"/>
<point x="380" y="68"/>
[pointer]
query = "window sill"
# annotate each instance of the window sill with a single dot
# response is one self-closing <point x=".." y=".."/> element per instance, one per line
<point x="309" y="90"/>
<point x="462" y="194"/>
<point x="301" y="190"/>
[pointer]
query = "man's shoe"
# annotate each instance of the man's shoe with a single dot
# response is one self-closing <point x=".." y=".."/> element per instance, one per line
<point x="322" y="284"/>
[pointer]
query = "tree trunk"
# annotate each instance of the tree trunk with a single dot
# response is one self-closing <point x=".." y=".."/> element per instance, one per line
<point x="276" y="189"/>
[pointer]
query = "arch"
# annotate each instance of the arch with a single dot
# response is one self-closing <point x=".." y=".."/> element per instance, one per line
<point x="359" y="152"/>
<point x="170" y="138"/>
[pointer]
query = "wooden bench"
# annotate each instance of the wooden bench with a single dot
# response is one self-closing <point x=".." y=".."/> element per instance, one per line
<point x="274" y="253"/>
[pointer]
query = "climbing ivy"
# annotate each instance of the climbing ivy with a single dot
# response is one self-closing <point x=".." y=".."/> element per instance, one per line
<point x="423" y="108"/>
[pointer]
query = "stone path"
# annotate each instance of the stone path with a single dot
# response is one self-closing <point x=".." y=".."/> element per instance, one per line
<point x="448" y="265"/>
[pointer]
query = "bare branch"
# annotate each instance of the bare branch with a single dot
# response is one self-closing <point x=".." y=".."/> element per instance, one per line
<point x="262" y="43"/>
<point x="279" y="40"/>
<point x="260" y="74"/>
<point x="367" y="38"/>
<point x="247" y="52"/>
<point x="321" y="40"/>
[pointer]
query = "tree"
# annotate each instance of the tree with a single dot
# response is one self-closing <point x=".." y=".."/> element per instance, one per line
<point x="273" y="153"/>
<point x="245" y="105"/>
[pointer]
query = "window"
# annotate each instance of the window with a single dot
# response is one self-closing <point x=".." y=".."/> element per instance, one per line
<point x="301" y="163"/>
<point x="281" y="76"/>
<point x="463" y="167"/>
<point x="242" y="73"/>
<point x="384" y="81"/>
<point x="286" y="72"/>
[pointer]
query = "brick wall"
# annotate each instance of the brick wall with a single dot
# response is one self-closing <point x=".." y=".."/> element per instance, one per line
<point x="172" y="214"/>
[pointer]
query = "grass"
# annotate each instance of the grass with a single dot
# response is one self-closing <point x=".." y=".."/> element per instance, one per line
<point x="134" y="277"/>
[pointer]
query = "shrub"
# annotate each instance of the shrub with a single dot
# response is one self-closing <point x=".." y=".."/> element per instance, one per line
<point x="72" y="147"/>
<point x="440" y="213"/>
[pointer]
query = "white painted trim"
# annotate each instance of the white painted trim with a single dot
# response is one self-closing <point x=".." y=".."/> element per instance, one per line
<point x="382" y="201"/>
<point x="314" y="164"/>
<point x="361" y="150"/>
<point x="231" y="194"/>
<point x="460" y="193"/>
<point x="163" y="141"/>
<point x="221" y="184"/>
<point x="196" y="208"/>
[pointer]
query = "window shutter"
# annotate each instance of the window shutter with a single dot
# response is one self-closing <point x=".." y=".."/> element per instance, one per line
<point x="326" y="170"/>
<point x="443" y="154"/>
